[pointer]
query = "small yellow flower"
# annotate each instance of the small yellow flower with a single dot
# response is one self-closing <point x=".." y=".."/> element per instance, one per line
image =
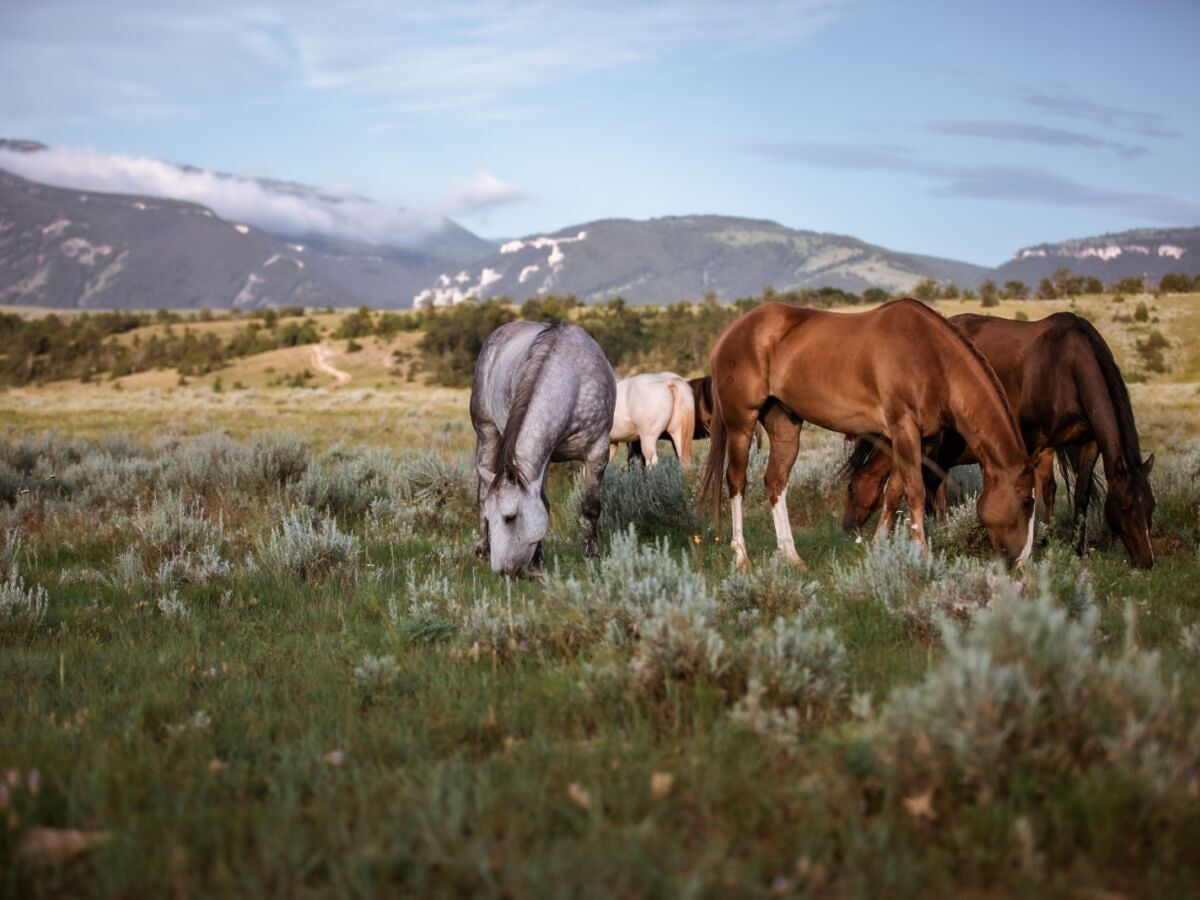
<point x="661" y="784"/>
<point x="579" y="795"/>
<point x="695" y="538"/>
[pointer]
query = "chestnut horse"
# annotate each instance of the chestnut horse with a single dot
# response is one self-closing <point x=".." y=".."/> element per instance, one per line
<point x="1061" y="378"/>
<point x="900" y="371"/>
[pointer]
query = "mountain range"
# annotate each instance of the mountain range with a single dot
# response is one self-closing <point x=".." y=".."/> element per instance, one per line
<point x="71" y="248"/>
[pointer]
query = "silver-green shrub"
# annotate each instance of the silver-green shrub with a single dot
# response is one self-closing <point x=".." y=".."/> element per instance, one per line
<point x="654" y="499"/>
<point x="376" y="673"/>
<point x="207" y="464"/>
<point x="617" y="592"/>
<point x="21" y="603"/>
<point x="304" y="547"/>
<point x="1026" y="689"/>
<point x="279" y="459"/>
<point x="677" y="641"/>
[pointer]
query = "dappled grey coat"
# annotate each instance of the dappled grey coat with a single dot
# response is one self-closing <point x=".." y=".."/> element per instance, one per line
<point x="541" y="393"/>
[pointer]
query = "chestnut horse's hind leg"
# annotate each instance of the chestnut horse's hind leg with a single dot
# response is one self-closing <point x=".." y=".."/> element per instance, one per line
<point x="907" y="480"/>
<point x="893" y="490"/>
<point x="784" y="431"/>
<point x="738" y="450"/>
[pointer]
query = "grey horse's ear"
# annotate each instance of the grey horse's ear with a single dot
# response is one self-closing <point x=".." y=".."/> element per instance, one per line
<point x="486" y="476"/>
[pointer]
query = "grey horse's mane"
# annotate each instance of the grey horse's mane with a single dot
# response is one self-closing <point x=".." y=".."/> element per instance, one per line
<point x="535" y="361"/>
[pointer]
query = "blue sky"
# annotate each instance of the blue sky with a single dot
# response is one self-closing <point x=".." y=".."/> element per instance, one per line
<point x="961" y="129"/>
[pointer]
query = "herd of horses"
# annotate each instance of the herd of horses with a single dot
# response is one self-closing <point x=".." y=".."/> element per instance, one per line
<point x="915" y="392"/>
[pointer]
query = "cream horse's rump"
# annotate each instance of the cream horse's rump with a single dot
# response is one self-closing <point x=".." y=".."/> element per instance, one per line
<point x="649" y="405"/>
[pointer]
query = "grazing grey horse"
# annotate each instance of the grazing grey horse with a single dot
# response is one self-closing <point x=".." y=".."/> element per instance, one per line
<point x="542" y="394"/>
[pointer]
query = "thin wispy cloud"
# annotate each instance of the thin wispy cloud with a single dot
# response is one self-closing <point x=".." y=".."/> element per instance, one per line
<point x="461" y="56"/>
<point x="1027" y="133"/>
<point x="1068" y="103"/>
<point x="452" y="50"/>
<point x="281" y="209"/>
<point x="985" y="182"/>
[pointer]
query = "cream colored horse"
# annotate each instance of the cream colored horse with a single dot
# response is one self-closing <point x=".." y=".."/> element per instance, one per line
<point x="649" y="405"/>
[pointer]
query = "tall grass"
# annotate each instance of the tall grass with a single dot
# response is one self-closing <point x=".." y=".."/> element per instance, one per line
<point x="256" y="666"/>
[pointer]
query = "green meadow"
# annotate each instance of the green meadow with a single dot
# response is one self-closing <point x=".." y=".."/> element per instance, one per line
<point x="246" y="650"/>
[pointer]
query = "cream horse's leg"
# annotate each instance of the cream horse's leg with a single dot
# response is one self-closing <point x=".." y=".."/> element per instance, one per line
<point x="650" y="447"/>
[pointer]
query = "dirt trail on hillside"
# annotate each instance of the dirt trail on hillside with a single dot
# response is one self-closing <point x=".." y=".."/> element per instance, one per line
<point x="321" y="363"/>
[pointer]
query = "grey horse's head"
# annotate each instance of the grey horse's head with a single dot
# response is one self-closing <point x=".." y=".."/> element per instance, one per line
<point x="517" y="518"/>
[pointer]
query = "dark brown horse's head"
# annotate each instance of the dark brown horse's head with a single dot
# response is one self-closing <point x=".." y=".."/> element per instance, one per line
<point x="1006" y="509"/>
<point x="864" y="491"/>
<point x="1129" y="508"/>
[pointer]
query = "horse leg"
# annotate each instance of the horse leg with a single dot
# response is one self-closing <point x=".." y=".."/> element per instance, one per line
<point x="941" y="504"/>
<point x="635" y="453"/>
<point x="1088" y="454"/>
<point x="893" y="490"/>
<point x="487" y="443"/>
<point x="906" y="471"/>
<point x="738" y="450"/>
<point x="784" y="430"/>
<point x="593" y="480"/>
<point x="1047" y="486"/>
<point x="650" y="442"/>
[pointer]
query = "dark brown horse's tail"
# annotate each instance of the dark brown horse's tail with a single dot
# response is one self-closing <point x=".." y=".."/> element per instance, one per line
<point x="1068" y="467"/>
<point x="714" y="469"/>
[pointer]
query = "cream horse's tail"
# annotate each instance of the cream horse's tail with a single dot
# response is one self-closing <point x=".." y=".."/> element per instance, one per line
<point x="683" y="418"/>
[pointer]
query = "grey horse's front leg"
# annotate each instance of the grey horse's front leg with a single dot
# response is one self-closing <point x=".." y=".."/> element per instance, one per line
<point x="593" y="482"/>
<point x="487" y="442"/>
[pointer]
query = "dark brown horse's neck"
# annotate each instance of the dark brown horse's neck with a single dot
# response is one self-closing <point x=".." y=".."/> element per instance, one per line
<point x="1101" y="414"/>
<point x="980" y="412"/>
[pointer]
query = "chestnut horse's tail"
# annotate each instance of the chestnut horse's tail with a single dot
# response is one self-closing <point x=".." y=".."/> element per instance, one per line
<point x="714" y="469"/>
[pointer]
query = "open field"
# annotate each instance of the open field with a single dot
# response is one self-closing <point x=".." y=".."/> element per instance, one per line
<point x="245" y="650"/>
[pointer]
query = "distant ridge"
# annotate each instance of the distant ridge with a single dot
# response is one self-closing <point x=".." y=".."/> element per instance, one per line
<point x="684" y="257"/>
<point x="1142" y="252"/>
<point x="67" y="248"/>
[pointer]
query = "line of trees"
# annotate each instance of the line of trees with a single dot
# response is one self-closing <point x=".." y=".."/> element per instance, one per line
<point x="1063" y="283"/>
<point x="676" y="337"/>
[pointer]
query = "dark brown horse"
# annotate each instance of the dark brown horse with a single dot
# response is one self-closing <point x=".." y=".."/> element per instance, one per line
<point x="1061" y="378"/>
<point x="870" y="463"/>
<point x="900" y="371"/>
